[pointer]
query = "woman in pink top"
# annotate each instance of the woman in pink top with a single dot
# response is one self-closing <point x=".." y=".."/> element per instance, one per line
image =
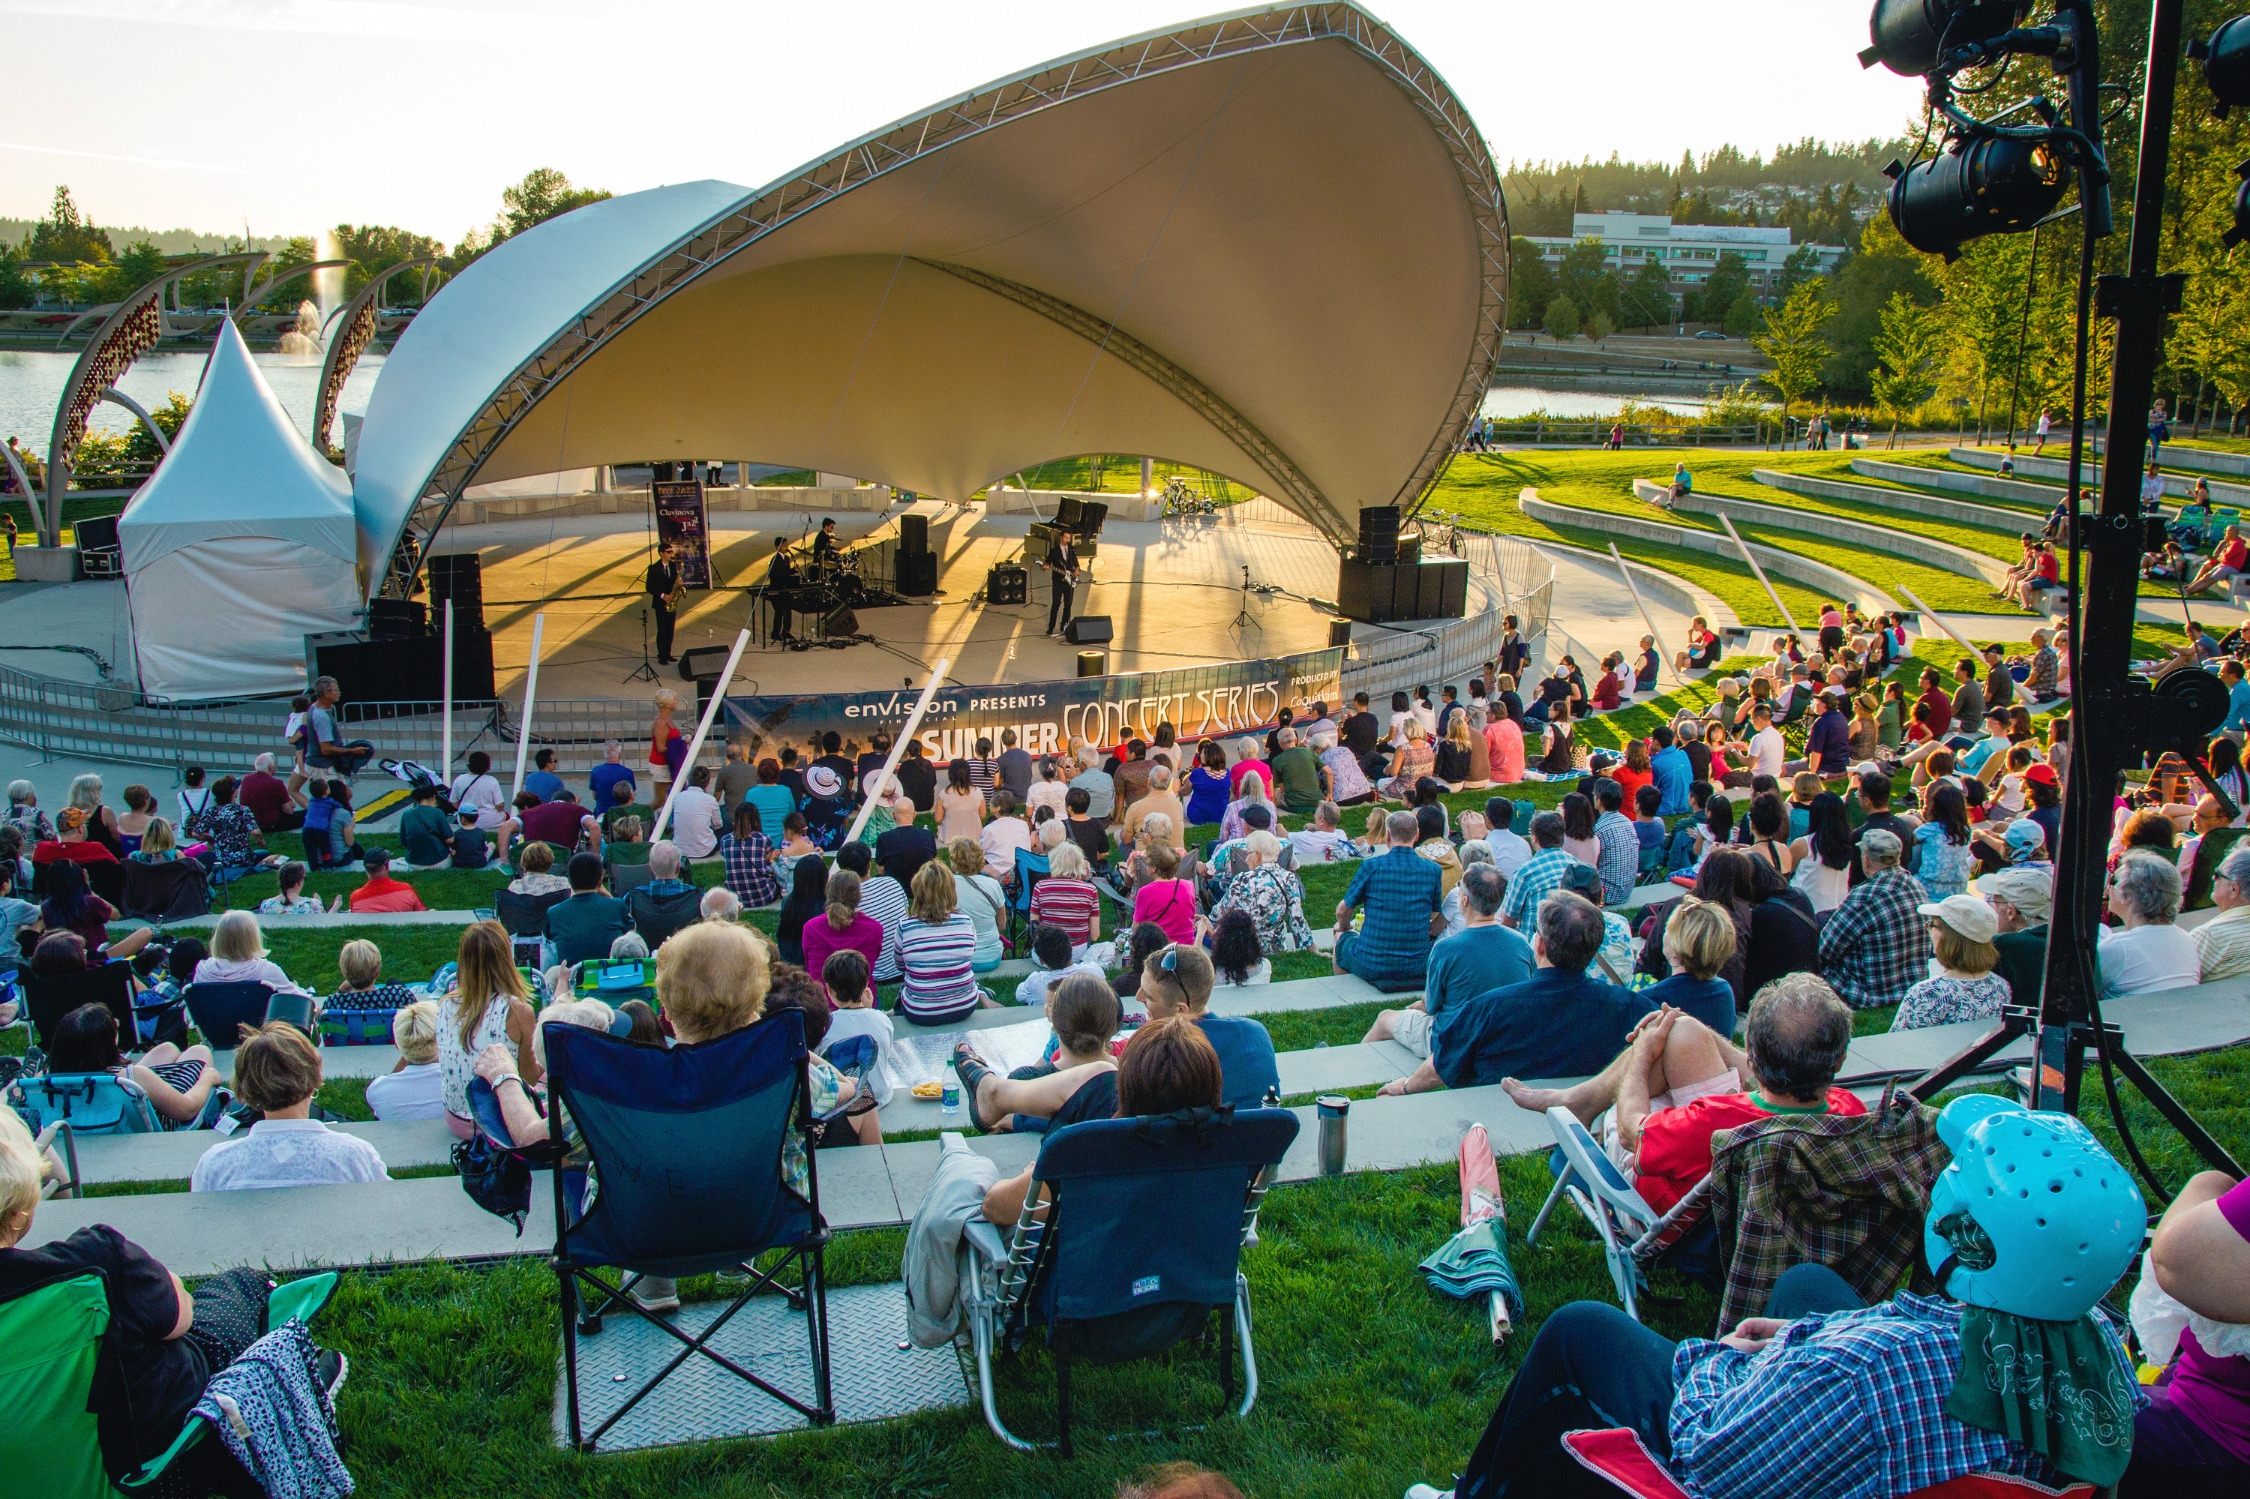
<point x="843" y="926"/>
<point x="1166" y="899"/>
<point x="1504" y="738"/>
<point x="1249" y="765"/>
<point x="2198" y="1415"/>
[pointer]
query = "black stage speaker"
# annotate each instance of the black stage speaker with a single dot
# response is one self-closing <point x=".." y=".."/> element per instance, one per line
<point x="458" y="576"/>
<point x="1378" y="534"/>
<point x="917" y="573"/>
<point x="1339" y="632"/>
<point x="913" y="533"/>
<point x="398" y="619"/>
<point x="1070" y="512"/>
<point x="1380" y="593"/>
<point x="402" y="671"/>
<point x="1091" y="514"/>
<point x="839" y="623"/>
<point x="705" y="661"/>
<point x="1088" y="629"/>
<point x="1090" y="663"/>
<point x="1007" y="585"/>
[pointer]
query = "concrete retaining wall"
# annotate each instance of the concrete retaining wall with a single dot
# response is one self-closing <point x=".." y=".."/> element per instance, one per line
<point x="1661" y="588"/>
<point x="719" y="501"/>
<point x="1815" y="575"/>
<point x="1938" y="478"/>
<point x="2058" y="469"/>
<point x="1961" y="512"/>
<point x="1939" y="554"/>
<point x="999" y="500"/>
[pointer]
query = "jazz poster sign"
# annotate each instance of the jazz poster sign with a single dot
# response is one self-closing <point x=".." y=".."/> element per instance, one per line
<point x="1231" y="697"/>
<point x="683" y="528"/>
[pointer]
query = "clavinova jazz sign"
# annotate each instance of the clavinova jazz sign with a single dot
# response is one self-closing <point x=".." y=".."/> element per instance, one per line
<point x="1198" y="701"/>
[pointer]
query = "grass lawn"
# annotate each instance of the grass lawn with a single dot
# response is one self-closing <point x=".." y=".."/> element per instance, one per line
<point x="1370" y="1380"/>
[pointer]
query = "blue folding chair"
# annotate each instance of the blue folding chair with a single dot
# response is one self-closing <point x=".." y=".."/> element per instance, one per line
<point x="356" y="1027"/>
<point x="1141" y="1240"/>
<point x="94" y="1103"/>
<point x="686" y="1146"/>
<point x="1031" y="868"/>
<point x="221" y="1010"/>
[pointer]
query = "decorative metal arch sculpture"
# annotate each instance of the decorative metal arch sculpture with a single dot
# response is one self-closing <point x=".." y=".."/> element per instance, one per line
<point x="264" y="289"/>
<point x="354" y="331"/>
<point x="127" y="334"/>
<point x="864" y="161"/>
<point x="117" y="397"/>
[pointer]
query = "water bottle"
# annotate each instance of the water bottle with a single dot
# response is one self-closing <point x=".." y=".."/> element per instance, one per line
<point x="949" y="1100"/>
<point x="1332" y="1110"/>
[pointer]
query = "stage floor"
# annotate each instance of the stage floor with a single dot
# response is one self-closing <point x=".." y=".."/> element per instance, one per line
<point x="1172" y="589"/>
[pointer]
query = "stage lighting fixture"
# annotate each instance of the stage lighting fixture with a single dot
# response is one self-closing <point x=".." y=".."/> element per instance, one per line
<point x="1975" y="188"/>
<point x="2226" y="64"/>
<point x="2241" y="229"/>
<point x="1910" y="35"/>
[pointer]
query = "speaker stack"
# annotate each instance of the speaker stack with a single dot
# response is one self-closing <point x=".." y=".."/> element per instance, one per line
<point x="458" y="576"/>
<point x="1385" y="579"/>
<point x="916" y="563"/>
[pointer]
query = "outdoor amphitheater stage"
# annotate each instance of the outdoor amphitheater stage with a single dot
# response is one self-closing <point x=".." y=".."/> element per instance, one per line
<point x="1172" y="589"/>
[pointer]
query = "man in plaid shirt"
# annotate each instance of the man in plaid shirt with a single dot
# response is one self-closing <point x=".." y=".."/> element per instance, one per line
<point x="1539" y="878"/>
<point x="1875" y="947"/>
<point x="1401" y="893"/>
<point x="1620" y="859"/>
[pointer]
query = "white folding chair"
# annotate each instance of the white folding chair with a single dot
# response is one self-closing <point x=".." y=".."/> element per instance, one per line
<point x="1606" y="1198"/>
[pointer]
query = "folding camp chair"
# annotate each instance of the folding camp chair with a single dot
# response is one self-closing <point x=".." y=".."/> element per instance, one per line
<point x="221" y="1010"/>
<point x="1142" y="1240"/>
<point x="56" y="1333"/>
<point x="356" y="1027"/>
<point x="175" y="890"/>
<point x="1601" y="1192"/>
<point x="1031" y="868"/>
<point x="47" y="1000"/>
<point x="94" y="1103"/>
<point x="657" y="917"/>
<point x="687" y="1147"/>
<point x="1620" y="1456"/>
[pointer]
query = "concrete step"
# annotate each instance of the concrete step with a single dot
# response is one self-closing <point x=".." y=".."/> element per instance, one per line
<point x="2057" y="471"/>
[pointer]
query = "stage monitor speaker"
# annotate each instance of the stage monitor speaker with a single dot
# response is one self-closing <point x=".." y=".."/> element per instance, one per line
<point x="1007" y="585"/>
<point x="1070" y="512"/>
<point x="839" y="623"/>
<point x="1339" y="632"/>
<point x="1088" y="629"/>
<point x="1091" y="515"/>
<point x="397" y="619"/>
<point x="913" y="534"/>
<point x="402" y="671"/>
<point x="917" y="573"/>
<point x="703" y="661"/>
<point x="1090" y="663"/>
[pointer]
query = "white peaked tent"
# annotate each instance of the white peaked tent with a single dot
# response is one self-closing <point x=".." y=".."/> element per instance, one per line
<point x="241" y="545"/>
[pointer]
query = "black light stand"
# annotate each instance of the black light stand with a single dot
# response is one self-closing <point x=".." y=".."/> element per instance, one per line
<point x="2117" y="718"/>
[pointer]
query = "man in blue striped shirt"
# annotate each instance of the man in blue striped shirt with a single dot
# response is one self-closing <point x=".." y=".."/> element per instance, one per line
<point x="1402" y="894"/>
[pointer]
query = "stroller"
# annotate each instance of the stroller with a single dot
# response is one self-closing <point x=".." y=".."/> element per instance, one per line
<point x="416" y="775"/>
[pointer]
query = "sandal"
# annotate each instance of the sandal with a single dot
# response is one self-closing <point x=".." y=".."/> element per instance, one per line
<point x="972" y="1071"/>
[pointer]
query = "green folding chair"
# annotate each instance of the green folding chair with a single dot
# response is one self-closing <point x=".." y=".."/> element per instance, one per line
<point x="50" y="1345"/>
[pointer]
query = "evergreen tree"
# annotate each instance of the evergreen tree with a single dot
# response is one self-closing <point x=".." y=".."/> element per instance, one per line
<point x="1862" y="287"/>
<point x="1728" y="282"/>
<point x="1531" y="281"/>
<point x="17" y="289"/>
<point x="64" y="237"/>
<point x="1745" y="316"/>
<point x="1586" y="279"/>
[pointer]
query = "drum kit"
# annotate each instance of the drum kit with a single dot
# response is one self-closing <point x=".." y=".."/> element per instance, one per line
<point x="829" y="594"/>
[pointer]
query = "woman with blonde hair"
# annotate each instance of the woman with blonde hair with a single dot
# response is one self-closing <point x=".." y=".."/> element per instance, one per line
<point x="937" y="944"/>
<point x="1413" y="759"/>
<point x="982" y="899"/>
<point x="157" y="845"/>
<point x="101" y="823"/>
<point x="667" y="747"/>
<point x="1864" y="738"/>
<point x="489" y="1006"/>
<point x="238" y="956"/>
<point x="1453" y="756"/>
<point x="415" y="1088"/>
<point x="1966" y="986"/>
<point x="1067" y="898"/>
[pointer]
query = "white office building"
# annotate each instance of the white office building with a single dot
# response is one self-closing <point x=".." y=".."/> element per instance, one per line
<point x="1689" y="252"/>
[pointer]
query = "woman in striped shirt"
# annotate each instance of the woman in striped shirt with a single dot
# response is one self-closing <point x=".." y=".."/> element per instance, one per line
<point x="1066" y="898"/>
<point x="937" y="946"/>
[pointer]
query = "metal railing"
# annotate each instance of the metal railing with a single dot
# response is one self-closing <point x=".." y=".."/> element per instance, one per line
<point x="1594" y="432"/>
<point x="1520" y="582"/>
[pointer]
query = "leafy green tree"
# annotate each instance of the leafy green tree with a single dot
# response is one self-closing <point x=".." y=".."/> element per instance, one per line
<point x="1794" y="343"/>
<point x="543" y="194"/>
<point x="1907" y="345"/>
<point x="1586" y="279"/>
<point x="373" y="249"/>
<point x="1802" y="265"/>
<point x="1745" y="317"/>
<point x="300" y="250"/>
<point x="1986" y="321"/>
<point x="141" y="263"/>
<point x="1531" y="281"/>
<point x="1646" y="298"/>
<point x="1728" y="280"/>
<point x="65" y="237"/>
<point x="1599" y="327"/>
<point x="1562" y="318"/>
<point x="17" y="288"/>
<point x="1862" y="288"/>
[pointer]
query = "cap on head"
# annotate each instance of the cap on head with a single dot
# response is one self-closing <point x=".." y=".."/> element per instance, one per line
<point x="2033" y="1217"/>
<point x="1966" y="914"/>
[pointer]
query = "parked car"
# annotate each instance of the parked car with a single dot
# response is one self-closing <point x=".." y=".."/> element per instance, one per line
<point x="1710" y="333"/>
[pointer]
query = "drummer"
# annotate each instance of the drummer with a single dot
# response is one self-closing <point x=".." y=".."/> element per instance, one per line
<point x="824" y="549"/>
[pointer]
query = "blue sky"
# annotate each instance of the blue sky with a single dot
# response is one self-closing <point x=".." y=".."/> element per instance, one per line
<point x="289" y="115"/>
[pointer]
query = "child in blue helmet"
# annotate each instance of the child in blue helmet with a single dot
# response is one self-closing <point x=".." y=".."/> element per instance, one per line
<point x="1825" y="1398"/>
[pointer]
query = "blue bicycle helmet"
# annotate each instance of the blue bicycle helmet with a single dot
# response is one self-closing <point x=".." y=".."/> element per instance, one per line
<point x="2033" y="1217"/>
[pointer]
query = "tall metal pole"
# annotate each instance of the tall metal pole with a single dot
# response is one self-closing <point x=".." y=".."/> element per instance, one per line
<point x="445" y="739"/>
<point x="1743" y="547"/>
<point x="530" y="696"/>
<point x="1663" y="652"/>
<point x="702" y="729"/>
<point x="898" y="747"/>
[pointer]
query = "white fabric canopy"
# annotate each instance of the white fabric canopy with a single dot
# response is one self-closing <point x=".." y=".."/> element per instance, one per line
<point x="239" y="546"/>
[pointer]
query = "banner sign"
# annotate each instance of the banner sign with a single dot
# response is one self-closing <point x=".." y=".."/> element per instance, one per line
<point x="1232" y="697"/>
<point x="681" y="520"/>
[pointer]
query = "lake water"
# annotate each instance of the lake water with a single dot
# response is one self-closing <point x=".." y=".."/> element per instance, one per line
<point x="31" y="383"/>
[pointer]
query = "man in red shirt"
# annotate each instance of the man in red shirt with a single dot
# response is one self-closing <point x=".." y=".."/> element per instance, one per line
<point x="1679" y="1083"/>
<point x="70" y="844"/>
<point x="381" y="892"/>
<point x="2231" y="559"/>
<point x="562" y="822"/>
